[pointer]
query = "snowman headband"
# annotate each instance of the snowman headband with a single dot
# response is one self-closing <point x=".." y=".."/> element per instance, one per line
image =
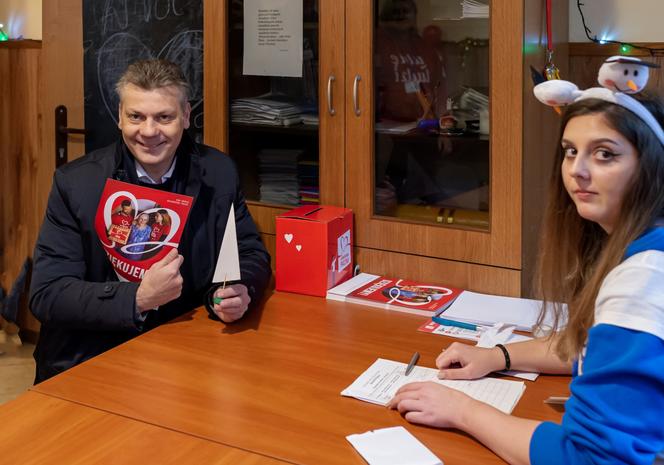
<point x="619" y="76"/>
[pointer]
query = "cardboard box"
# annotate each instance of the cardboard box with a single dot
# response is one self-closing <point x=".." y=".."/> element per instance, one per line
<point x="314" y="249"/>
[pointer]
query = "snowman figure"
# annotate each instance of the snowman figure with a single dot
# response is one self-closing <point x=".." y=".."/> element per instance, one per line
<point x="624" y="74"/>
<point x="618" y="76"/>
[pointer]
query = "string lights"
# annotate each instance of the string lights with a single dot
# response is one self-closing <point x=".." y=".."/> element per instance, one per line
<point x="625" y="47"/>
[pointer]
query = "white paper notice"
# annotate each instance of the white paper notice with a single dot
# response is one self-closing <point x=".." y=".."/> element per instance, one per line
<point x="273" y="38"/>
<point x="381" y="381"/>
<point x="392" y="446"/>
<point x="228" y="263"/>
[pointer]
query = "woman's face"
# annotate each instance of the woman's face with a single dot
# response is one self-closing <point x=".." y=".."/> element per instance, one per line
<point x="158" y="218"/>
<point x="597" y="169"/>
<point x="143" y="219"/>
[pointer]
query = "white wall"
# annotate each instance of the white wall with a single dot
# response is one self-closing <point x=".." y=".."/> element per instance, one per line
<point x="622" y="20"/>
<point x="22" y="18"/>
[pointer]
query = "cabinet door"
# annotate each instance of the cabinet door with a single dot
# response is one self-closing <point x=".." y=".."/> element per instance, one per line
<point x="287" y="155"/>
<point x="434" y="128"/>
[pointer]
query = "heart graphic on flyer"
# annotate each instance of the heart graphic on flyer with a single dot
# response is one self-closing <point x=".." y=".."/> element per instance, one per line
<point x="138" y="226"/>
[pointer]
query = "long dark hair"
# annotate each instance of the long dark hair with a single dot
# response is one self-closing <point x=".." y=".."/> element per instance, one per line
<point x="577" y="254"/>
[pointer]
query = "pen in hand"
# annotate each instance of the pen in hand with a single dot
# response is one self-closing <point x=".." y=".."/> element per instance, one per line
<point x="413" y="361"/>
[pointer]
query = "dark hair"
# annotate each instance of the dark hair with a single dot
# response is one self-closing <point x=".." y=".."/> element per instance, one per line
<point x="390" y="12"/>
<point x="126" y="203"/>
<point x="576" y="254"/>
<point x="154" y="74"/>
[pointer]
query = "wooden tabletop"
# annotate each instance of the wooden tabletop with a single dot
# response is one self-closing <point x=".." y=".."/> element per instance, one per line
<point x="39" y="429"/>
<point x="271" y="383"/>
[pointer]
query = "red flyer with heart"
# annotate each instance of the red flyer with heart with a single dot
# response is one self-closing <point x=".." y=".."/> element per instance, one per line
<point x="138" y="226"/>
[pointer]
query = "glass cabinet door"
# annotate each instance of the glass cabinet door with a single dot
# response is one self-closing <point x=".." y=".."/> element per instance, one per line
<point x="282" y="123"/>
<point x="274" y="124"/>
<point x="429" y="173"/>
<point x="431" y="81"/>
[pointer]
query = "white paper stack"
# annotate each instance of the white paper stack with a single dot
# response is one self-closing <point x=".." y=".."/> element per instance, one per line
<point x="277" y="174"/>
<point x="265" y="111"/>
<point x="474" y="100"/>
<point x="485" y="309"/>
<point x="474" y="9"/>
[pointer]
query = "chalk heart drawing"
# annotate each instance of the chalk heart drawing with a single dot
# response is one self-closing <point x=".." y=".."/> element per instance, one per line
<point x="298" y="247"/>
<point x="288" y="237"/>
<point x="122" y="48"/>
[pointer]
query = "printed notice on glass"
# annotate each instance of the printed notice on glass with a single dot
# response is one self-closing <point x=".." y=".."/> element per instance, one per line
<point x="272" y="38"/>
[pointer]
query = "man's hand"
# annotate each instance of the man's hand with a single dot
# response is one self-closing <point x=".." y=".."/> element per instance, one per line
<point x="231" y="302"/>
<point x="161" y="283"/>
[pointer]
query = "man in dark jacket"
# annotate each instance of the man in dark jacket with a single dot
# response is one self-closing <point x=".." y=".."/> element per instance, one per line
<point x="75" y="294"/>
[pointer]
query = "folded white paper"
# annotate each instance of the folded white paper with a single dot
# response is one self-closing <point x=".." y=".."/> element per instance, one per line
<point x="392" y="446"/>
<point x="381" y="381"/>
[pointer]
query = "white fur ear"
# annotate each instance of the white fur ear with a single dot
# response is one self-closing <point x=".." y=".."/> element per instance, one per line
<point x="556" y="93"/>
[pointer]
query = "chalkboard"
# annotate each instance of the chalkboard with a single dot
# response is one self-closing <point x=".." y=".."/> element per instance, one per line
<point x="119" y="32"/>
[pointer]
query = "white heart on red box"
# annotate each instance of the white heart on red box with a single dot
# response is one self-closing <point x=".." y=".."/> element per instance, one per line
<point x="298" y="247"/>
<point x="288" y="237"/>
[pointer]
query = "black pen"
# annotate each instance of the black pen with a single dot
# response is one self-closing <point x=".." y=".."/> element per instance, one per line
<point x="413" y="361"/>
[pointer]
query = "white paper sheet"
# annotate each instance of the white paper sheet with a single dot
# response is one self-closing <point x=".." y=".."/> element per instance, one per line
<point x="273" y="38"/>
<point x="380" y="382"/>
<point x="228" y="263"/>
<point x="392" y="446"/>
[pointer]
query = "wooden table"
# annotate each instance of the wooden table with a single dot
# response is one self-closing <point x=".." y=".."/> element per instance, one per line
<point x="39" y="429"/>
<point x="270" y="384"/>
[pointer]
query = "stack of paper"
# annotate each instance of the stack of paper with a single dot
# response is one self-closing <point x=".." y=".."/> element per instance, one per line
<point x="380" y="382"/>
<point x="277" y="174"/>
<point x="270" y="111"/>
<point x="485" y="309"/>
<point x="474" y="9"/>
<point x="474" y="100"/>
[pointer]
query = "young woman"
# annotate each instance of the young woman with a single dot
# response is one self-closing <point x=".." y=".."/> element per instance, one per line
<point x="161" y="225"/>
<point x="603" y="254"/>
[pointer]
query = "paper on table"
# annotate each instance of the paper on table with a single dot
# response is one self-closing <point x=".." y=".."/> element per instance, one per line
<point x="392" y="446"/>
<point x="383" y="378"/>
<point x="228" y="263"/>
<point x="485" y="309"/>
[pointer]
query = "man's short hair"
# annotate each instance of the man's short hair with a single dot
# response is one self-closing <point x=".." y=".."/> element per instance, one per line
<point x="126" y="203"/>
<point x="154" y="74"/>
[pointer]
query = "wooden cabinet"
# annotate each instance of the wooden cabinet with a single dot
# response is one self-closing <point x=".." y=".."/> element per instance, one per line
<point x="416" y="236"/>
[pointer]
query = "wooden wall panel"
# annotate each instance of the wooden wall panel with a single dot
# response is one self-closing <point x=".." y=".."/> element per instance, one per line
<point x="479" y="278"/>
<point x="20" y="157"/>
<point x="540" y="128"/>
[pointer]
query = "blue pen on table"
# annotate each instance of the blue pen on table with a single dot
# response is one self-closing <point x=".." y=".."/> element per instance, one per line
<point x="413" y="361"/>
<point x="456" y="324"/>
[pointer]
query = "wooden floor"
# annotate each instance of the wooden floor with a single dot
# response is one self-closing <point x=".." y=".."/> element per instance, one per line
<point x="17" y="367"/>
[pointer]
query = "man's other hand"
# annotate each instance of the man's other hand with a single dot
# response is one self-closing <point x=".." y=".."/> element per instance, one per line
<point x="231" y="302"/>
<point x="161" y="283"/>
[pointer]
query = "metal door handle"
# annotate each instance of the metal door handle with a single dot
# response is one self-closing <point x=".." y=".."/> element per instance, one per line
<point x="330" y="80"/>
<point x="356" y="82"/>
<point x="61" y="133"/>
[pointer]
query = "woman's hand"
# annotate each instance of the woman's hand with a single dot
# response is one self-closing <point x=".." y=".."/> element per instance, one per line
<point x="461" y="361"/>
<point x="431" y="404"/>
